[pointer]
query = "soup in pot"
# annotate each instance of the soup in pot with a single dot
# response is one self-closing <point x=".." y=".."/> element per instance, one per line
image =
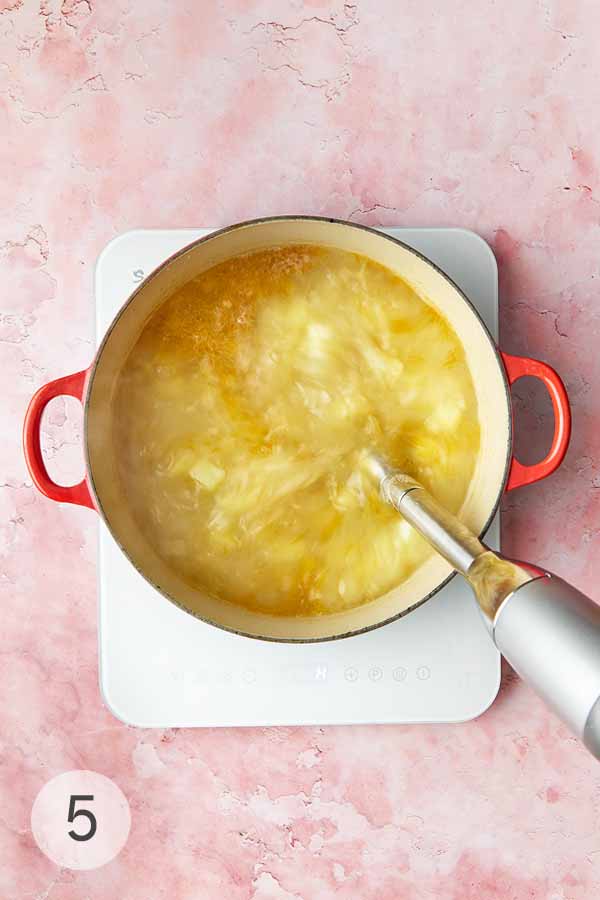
<point x="244" y="412"/>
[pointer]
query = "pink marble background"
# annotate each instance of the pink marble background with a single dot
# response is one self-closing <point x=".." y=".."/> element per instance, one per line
<point x="121" y="114"/>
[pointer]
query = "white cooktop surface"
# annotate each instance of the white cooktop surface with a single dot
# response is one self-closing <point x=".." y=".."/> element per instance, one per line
<point x="161" y="667"/>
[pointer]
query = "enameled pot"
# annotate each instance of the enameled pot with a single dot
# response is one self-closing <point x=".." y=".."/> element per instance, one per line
<point x="492" y="371"/>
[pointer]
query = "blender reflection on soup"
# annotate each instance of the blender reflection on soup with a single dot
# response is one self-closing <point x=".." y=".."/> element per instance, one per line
<point x="244" y="409"/>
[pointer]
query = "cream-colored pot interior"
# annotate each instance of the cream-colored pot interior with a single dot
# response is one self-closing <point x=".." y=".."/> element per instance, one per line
<point x="486" y="369"/>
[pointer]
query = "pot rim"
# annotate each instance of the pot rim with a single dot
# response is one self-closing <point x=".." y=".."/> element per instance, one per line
<point x="191" y="246"/>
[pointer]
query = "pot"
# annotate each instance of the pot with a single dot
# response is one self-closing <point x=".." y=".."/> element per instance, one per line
<point x="493" y="373"/>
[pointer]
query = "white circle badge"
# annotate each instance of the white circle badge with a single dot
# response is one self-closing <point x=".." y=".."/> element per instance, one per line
<point x="80" y="820"/>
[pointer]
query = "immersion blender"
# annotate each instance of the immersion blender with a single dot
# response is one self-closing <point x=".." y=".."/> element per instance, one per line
<point x="548" y="630"/>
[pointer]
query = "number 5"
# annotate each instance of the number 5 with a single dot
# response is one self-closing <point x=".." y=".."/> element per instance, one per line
<point x="82" y="812"/>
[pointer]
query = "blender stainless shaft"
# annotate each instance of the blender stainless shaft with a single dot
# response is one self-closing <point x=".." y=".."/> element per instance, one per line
<point x="547" y="630"/>
<point x="444" y="531"/>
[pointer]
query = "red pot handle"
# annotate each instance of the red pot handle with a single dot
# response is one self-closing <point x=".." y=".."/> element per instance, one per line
<point x="71" y="386"/>
<point x="517" y="367"/>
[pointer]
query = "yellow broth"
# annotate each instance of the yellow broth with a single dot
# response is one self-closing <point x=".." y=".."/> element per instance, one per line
<point x="245" y="408"/>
